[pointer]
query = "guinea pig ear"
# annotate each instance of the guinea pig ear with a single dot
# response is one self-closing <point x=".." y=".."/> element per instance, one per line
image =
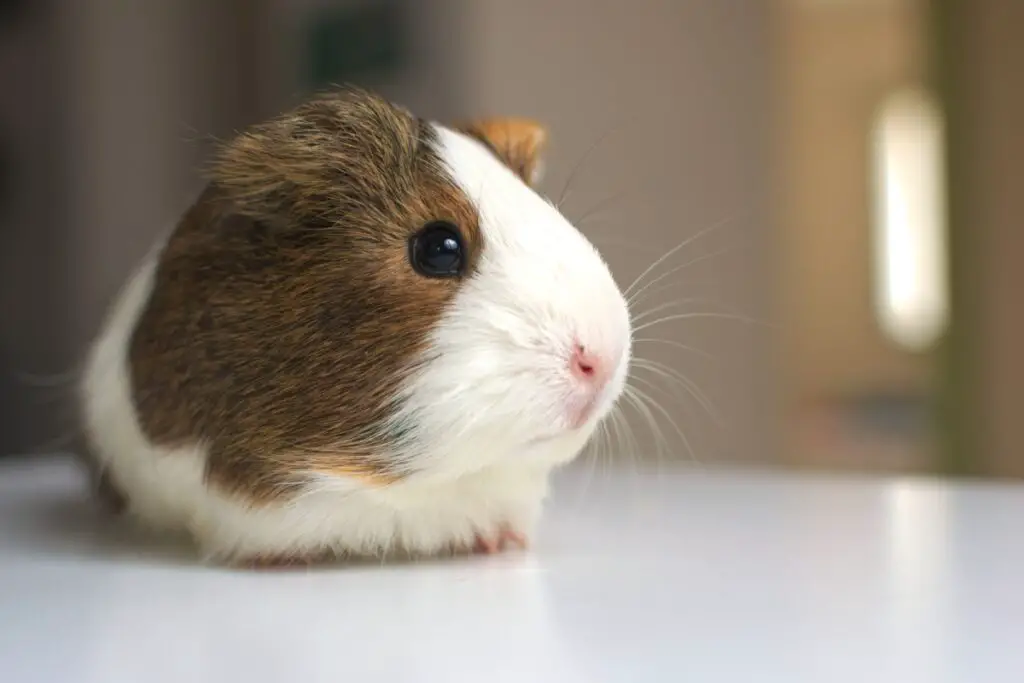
<point x="519" y="143"/>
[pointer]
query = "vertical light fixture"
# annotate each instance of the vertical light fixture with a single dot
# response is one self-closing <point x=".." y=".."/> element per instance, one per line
<point x="911" y="296"/>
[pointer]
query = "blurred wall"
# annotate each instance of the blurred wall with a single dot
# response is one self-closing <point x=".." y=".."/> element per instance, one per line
<point x="114" y="111"/>
<point x="34" y="258"/>
<point x="148" y="86"/>
<point x="982" y="65"/>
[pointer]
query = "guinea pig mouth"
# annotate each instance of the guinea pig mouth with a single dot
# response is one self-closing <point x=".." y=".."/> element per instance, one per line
<point x="582" y="414"/>
<point x="541" y="440"/>
<point x="579" y="418"/>
<point x="548" y="439"/>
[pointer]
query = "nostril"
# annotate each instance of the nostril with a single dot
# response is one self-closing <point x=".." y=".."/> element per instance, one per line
<point x="583" y="363"/>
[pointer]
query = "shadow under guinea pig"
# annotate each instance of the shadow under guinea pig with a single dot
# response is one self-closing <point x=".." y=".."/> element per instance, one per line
<point x="72" y="526"/>
<point x="56" y="515"/>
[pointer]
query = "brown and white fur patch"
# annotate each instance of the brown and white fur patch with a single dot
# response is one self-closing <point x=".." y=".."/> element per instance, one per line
<point x="277" y="381"/>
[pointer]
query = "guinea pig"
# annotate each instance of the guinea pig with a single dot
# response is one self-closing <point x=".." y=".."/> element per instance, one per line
<point x="368" y="336"/>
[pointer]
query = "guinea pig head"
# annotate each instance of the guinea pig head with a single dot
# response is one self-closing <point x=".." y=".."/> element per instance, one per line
<point x="533" y="350"/>
<point x="360" y="293"/>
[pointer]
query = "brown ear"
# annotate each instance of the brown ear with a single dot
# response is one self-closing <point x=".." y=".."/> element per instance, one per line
<point x="519" y="143"/>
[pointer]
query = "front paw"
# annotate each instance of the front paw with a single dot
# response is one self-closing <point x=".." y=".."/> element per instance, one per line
<point x="504" y="539"/>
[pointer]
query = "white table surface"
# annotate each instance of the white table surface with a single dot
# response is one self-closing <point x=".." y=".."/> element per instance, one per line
<point x="667" y="576"/>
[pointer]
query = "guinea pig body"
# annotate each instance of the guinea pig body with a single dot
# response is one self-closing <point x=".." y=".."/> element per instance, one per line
<point x="368" y="336"/>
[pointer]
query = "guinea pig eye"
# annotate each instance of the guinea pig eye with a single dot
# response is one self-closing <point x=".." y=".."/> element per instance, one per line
<point x="436" y="250"/>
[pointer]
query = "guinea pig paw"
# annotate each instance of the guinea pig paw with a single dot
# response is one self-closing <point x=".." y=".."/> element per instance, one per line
<point x="505" y="538"/>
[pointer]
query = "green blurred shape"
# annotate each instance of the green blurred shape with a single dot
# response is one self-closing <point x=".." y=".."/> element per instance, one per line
<point x="356" y="44"/>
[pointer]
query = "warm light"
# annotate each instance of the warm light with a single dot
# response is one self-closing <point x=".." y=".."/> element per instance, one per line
<point x="910" y="222"/>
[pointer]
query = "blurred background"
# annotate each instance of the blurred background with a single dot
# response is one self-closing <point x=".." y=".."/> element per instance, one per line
<point x="844" y="177"/>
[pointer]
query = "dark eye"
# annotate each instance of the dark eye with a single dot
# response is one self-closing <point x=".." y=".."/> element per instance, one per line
<point x="437" y="250"/>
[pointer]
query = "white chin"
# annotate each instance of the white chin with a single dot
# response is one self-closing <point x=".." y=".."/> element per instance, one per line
<point x="558" y="449"/>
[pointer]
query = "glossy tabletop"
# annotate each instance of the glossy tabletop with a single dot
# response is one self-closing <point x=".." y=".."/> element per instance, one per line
<point x="670" y="575"/>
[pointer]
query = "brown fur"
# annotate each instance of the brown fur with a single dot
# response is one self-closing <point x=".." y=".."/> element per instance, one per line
<point x="285" y="315"/>
<point x="518" y="143"/>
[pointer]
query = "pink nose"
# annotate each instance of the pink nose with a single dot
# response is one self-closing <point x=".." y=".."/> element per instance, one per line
<point x="588" y="366"/>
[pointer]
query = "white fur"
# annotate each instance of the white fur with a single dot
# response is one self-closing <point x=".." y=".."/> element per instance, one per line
<point x="489" y="412"/>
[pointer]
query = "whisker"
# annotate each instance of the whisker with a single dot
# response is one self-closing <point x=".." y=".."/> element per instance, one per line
<point x="592" y="455"/>
<point x="673" y="304"/>
<point x="678" y="345"/>
<point x="583" y="159"/>
<point x="657" y="406"/>
<point x="628" y="442"/>
<point x="674" y="250"/>
<point x="633" y="456"/>
<point x="662" y="448"/>
<point x="605" y="203"/>
<point x="635" y="451"/>
<point x="604" y="443"/>
<point x="603" y="239"/>
<point x="677" y="376"/>
<point x="688" y="384"/>
<point x="634" y="396"/>
<point x="635" y="296"/>
<point x="649" y="399"/>
<point x="615" y="448"/>
<point x="699" y="314"/>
